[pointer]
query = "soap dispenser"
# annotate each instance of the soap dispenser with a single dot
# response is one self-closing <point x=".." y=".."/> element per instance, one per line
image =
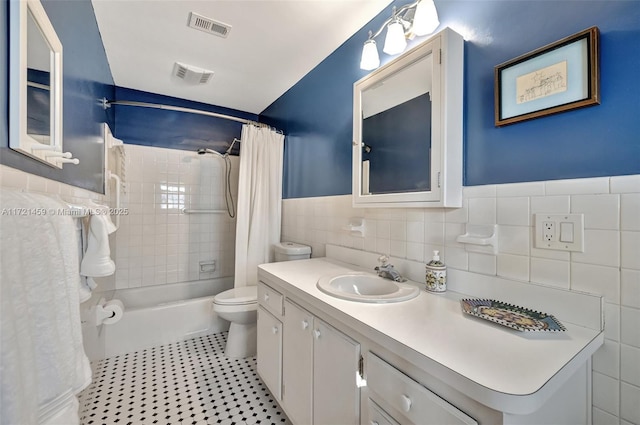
<point x="436" y="274"/>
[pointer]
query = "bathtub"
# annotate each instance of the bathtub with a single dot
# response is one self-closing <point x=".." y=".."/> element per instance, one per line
<point x="162" y="314"/>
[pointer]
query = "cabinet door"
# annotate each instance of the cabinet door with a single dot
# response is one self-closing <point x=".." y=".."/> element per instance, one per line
<point x="270" y="351"/>
<point x="297" y="364"/>
<point x="336" y="397"/>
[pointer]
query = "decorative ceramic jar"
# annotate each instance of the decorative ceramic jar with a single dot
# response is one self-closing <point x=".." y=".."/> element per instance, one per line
<point x="436" y="274"/>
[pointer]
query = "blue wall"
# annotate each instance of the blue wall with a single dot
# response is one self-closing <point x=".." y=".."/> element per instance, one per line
<point x="316" y="113"/>
<point x="603" y="140"/>
<point x="87" y="78"/>
<point x="173" y="129"/>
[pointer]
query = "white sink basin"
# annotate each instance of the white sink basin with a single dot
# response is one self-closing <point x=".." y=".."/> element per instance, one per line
<point x="366" y="288"/>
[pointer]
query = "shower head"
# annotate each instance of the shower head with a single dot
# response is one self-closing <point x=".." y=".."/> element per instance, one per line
<point x="228" y="151"/>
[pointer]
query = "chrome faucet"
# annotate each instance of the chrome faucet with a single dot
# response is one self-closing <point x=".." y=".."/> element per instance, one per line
<point x="387" y="270"/>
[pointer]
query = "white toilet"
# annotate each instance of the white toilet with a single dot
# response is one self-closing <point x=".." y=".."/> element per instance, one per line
<point x="239" y="306"/>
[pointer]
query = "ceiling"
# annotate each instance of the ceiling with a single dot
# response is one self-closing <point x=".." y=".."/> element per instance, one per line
<point x="272" y="44"/>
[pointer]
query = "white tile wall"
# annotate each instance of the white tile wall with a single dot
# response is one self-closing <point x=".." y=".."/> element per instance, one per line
<point x="17" y="179"/>
<point x="158" y="244"/>
<point x="629" y="406"/>
<point x="606" y="393"/>
<point x="610" y="265"/>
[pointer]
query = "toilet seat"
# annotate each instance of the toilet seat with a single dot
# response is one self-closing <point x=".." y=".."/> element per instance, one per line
<point x="238" y="296"/>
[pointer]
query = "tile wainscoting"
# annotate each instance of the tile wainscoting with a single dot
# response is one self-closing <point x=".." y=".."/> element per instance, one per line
<point x="610" y="264"/>
<point x="158" y="244"/>
<point x="17" y="179"/>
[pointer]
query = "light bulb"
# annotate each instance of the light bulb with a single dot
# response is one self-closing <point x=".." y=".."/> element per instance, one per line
<point x="370" y="59"/>
<point x="395" y="42"/>
<point x="425" y="20"/>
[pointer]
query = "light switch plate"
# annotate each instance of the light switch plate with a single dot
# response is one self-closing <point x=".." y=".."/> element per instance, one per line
<point x="551" y="229"/>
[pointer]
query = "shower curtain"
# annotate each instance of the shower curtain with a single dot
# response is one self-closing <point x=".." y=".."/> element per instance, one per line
<point x="259" y="201"/>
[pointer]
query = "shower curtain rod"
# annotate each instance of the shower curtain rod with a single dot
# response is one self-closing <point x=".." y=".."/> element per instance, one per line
<point x="107" y="104"/>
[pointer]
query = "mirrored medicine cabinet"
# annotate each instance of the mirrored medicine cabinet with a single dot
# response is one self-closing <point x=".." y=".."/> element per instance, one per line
<point x="35" y="93"/>
<point x="407" y="128"/>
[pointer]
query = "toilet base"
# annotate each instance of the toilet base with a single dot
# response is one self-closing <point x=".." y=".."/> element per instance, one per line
<point x="241" y="341"/>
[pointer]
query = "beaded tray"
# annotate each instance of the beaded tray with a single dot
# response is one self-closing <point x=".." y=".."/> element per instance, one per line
<point x="512" y="316"/>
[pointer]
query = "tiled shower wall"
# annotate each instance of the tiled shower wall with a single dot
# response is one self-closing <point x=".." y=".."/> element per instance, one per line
<point x="610" y="264"/>
<point x="159" y="244"/>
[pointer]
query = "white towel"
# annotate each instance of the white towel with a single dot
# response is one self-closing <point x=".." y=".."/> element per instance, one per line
<point x="42" y="356"/>
<point x="97" y="260"/>
<point x="87" y="286"/>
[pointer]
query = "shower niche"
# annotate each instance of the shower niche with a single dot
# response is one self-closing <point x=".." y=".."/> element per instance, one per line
<point x="407" y="128"/>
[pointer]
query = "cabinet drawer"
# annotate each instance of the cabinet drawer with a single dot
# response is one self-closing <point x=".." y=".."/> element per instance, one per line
<point x="377" y="416"/>
<point x="407" y="396"/>
<point x="270" y="299"/>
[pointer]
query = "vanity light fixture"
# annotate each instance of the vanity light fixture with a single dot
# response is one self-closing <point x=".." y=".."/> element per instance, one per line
<point x="425" y="20"/>
<point x="370" y="59"/>
<point x="395" y="42"/>
<point x="417" y="18"/>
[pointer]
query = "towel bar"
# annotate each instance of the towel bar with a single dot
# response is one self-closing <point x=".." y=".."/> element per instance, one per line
<point x="78" y="211"/>
<point x="192" y="211"/>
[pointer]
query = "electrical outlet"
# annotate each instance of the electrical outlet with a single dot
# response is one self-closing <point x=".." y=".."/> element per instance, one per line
<point x="564" y="232"/>
<point x="548" y="231"/>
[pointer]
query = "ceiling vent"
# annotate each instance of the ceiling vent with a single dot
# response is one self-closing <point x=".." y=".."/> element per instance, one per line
<point x="208" y="25"/>
<point x="192" y="74"/>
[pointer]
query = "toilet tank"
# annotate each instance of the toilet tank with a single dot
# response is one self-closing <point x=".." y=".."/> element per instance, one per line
<point x="287" y="251"/>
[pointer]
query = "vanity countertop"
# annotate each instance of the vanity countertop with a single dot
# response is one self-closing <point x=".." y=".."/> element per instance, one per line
<point x="504" y="369"/>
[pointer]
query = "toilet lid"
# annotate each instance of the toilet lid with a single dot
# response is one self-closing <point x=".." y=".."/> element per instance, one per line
<point x="242" y="295"/>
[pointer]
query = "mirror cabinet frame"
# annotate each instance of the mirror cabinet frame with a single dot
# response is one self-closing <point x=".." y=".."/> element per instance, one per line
<point x="19" y="139"/>
<point x="447" y="48"/>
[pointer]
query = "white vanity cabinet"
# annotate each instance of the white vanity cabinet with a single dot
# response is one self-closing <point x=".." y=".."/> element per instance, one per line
<point x="308" y="365"/>
<point x="406" y="400"/>
<point x="336" y="396"/>
<point x="269" y="329"/>
<point x="319" y="370"/>
<point x="314" y="370"/>
<point x="462" y="372"/>
<point x="377" y="416"/>
<point x="297" y="370"/>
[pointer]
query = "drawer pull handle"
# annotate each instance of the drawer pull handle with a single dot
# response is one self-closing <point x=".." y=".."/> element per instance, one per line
<point x="316" y="333"/>
<point x="406" y="403"/>
<point x="305" y="324"/>
<point x="274" y="329"/>
<point x="374" y="423"/>
<point x="266" y="297"/>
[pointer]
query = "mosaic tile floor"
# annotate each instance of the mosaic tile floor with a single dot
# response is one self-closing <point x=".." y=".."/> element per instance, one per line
<point x="188" y="382"/>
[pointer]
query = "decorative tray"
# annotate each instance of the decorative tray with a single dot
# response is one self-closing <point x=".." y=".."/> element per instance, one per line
<point x="512" y="316"/>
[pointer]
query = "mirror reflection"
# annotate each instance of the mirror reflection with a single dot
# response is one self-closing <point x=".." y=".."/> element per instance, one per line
<point x="396" y="131"/>
<point x="35" y="85"/>
<point x="38" y="83"/>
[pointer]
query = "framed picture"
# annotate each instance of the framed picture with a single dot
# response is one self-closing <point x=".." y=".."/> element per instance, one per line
<point x="555" y="78"/>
